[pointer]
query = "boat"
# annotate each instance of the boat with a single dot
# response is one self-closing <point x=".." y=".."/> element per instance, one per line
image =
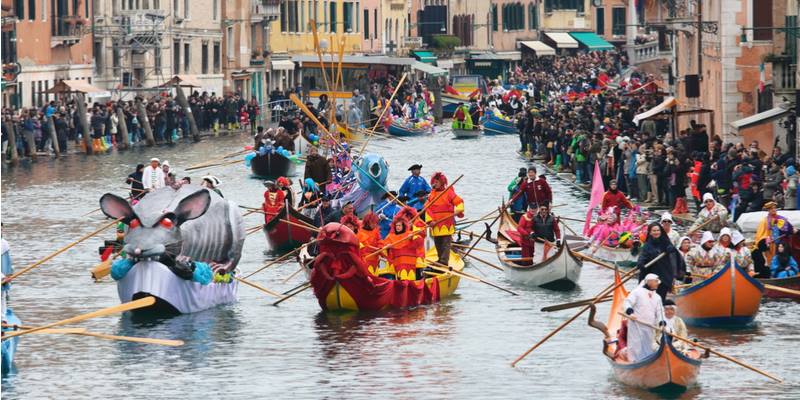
<point x="493" y="125"/>
<point x="271" y="165"/>
<point x="560" y="271"/>
<point x="397" y="129"/>
<point x="9" y="345"/>
<point x="667" y="369"/>
<point x="749" y="222"/>
<point x="283" y="237"/>
<point x="792" y="282"/>
<point x="466" y="133"/>
<point x="620" y="256"/>
<point x="341" y="281"/>
<point x="729" y="298"/>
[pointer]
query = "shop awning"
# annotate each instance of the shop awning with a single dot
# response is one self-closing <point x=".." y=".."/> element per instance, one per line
<point x="74" y="86"/>
<point x="240" y="75"/>
<point x="760" y="118"/>
<point x="424" y="56"/>
<point x="501" y="55"/>
<point x="667" y="104"/>
<point x="592" y="41"/>
<point x="428" y="69"/>
<point x="284" y="65"/>
<point x="539" y="47"/>
<point x="562" y="40"/>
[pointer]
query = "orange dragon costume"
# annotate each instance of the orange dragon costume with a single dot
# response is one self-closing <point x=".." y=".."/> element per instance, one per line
<point x="402" y="254"/>
<point x="440" y="216"/>
<point x="369" y="239"/>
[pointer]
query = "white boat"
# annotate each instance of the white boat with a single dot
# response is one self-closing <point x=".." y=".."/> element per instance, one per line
<point x="748" y="222"/>
<point x="615" y="255"/>
<point x="466" y="133"/>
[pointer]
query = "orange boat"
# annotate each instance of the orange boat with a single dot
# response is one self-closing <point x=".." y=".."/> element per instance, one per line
<point x="666" y="369"/>
<point x="729" y="298"/>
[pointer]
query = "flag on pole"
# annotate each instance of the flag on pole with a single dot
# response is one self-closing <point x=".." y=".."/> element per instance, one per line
<point x="596" y="199"/>
<point x="762" y="79"/>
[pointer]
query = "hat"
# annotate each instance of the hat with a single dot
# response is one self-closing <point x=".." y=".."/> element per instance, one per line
<point x="666" y="217"/>
<point x="390" y="194"/>
<point x="612" y="182"/>
<point x="155" y="159"/>
<point x="708" y="196"/>
<point x="684" y="238"/>
<point x="723" y="232"/>
<point x="415" y="166"/>
<point x="770" y="205"/>
<point x="651" y="277"/>
<point x="283" y="181"/>
<point x="269" y="183"/>
<point x="669" y="303"/>
<point x="212" y="180"/>
<point x="707" y="237"/>
<point x="736" y="237"/>
<point x="165" y="163"/>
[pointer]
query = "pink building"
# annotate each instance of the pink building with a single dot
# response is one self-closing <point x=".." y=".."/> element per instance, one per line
<point x="371" y="29"/>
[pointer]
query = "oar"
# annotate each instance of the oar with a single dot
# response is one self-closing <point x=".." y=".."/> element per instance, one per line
<point x="476" y="258"/>
<point x="59" y="251"/>
<point x="132" y="305"/>
<point x="287" y="297"/>
<point x="706" y="222"/>
<point x="595" y="261"/>
<point x="215" y="165"/>
<point x="277" y="260"/>
<point x="441" y="268"/>
<point x="578" y="303"/>
<point x="781" y="289"/>
<point x="83" y="332"/>
<point x="706" y="348"/>
<point x="568" y="228"/>
<point x="488" y="229"/>
<point x="461" y="246"/>
<point x="472" y="221"/>
<point x="605" y="292"/>
<point x="257" y="286"/>
<point x="104" y="268"/>
<point x="304" y="225"/>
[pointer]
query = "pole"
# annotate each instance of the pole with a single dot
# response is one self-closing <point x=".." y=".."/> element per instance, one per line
<point x="80" y="104"/>
<point x="148" y="131"/>
<point x="436" y="89"/>
<point x="53" y="137"/>
<point x="187" y="112"/>
<point x="12" y="142"/>
<point x="122" y="129"/>
<point x="30" y="143"/>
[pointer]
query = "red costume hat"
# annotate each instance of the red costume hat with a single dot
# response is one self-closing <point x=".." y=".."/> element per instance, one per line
<point x="440" y="177"/>
<point x="370" y="221"/>
<point x="350" y="220"/>
<point x="283" y="181"/>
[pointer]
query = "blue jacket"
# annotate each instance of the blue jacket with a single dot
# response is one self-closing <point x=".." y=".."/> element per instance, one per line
<point x="413" y="184"/>
<point x="389" y="212"/>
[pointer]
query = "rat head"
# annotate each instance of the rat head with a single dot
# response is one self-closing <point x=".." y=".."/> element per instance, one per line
<point x="160" y="240"/>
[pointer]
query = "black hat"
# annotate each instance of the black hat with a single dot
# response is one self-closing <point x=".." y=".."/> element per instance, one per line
<point x="420" y="193"/>
<point x="389" y="194"/>
<point x="326" y="197"/>
<point x="415" y="166"/>
<point x="269" y="183"/>
<point x="403" y="199"/>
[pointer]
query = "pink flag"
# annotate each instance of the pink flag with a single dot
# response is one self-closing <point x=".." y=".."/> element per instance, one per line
<point x="597" y="196"/>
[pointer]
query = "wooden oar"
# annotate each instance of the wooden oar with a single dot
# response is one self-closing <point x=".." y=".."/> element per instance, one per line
<point x="304" y="225"/>
<point x="277" y="260"/>
<point x="781" y="289"/>
<point x="706" y="348"/>
<point x="59" y="251"/>
<point x="476" y="258"/>
<point x="595" y="261"/>
<point x="472" y="221"/>
<point x="83" y="332"/>
<point x="578" y="303"/>
<point x="706" y="222"/>
<point x="568" y="228"/>
<point x="104" y="268"/>
<point x="131" y="305"/>
<point x="461" y="246"/>
<point x="287" y="297"/>
<point x="215" y="165"/>
<point x="441" y="268"/>
<point x="488" y="229"/>
<point x="481" y="218"/>
<point x="257" y="286"/>
<point x="604" y="293"/>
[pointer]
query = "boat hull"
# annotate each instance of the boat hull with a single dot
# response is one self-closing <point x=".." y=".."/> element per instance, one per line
<point x="666" y="369"/>
<point x="283" y="237"/>
<point x="272" y="165"/>
<point x="495" y="126"/>
<point x="397" y="130"/>
<point x="9" y="345"/>
<point x="466" y="133"/>
<point x="786" y="283"/>
<point x="729" y="298"/>
<point x="621" y="257"/>
<point x="151" y="278"/>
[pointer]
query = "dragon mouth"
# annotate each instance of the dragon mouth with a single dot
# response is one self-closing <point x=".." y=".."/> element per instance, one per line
<point x="375" y="170"/>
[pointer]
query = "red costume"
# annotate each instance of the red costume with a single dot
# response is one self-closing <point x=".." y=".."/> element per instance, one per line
<point x="537" y="191"/>
<point x="273" y="203"/>
<point x="525" y="228"/>
<point x="401" y="255"/>
<point x="369" y="242"/>
<point x="617" y="200"/>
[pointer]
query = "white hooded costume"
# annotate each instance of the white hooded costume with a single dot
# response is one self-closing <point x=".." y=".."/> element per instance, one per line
<point x="647" y="308"/>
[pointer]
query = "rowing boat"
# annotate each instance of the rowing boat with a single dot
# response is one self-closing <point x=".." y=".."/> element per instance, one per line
<point x="620" y="256"/>
<point x="396" y="129"/>
<point x="792" y="282"/>
<point x="9" y="345"/>
<point x="666" y="369"/>
<point x="729" y="298"/>
<point x="271" y="165"/>
<point x="342" y="282"/>
<point x="493" y="125"/>
<point x="466" y="133"/>
<point x="282" y="236"/>
<point x="560" y="271"/>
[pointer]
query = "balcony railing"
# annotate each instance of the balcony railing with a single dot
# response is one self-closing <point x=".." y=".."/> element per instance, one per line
<point x="264" y="10"/>
<point x="67" y="30"/>
<point x="784" y="77"/>
<point x="645" y="52"/>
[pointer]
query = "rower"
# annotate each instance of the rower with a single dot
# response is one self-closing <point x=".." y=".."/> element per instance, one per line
<point x="401" y="254"/>
<point x="285" y="185"/>
<point x="674" y="325"/>
<point x="326" y="213"/>
<point x="273" y="201"/>
<point x="527" y="235"/>
<point x="386" y="211"/>
<point x="783" y="264"/>
<point x="419" y="200"/>
<point x="135" y="180"/>
<point x="536" y="189"/>
<point x="369" y="241"/>
<point x="518" y="201"/>
<point x="704" y="260"/>
<point x="442" y="208"/>
<point x="643" y="304"/>
<point x="153" y="175"/>
<point x="724" y="245"/>
<point x="773" y="228"/>
<point x="414" y="183"/>
<point x="615" y="198"/>
<point x="711" y="209"/>
<point x="667" y="223"/>
<point x="741" y="253"/>
<point x="545" y="228"/>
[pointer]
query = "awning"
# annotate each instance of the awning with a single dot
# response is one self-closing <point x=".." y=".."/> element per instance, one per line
<point x="240" y="75"/>
<point x="502" y="55"/>
<point x="446" y="64"/>
<point x="283" y="65"/>
<point x="760" y="118"/>
<point x="539" y="47"/>
<point x="562" y="40"/>
<point x="667" y="104"/>
<point x="424" y="56"/>
<point x="592" y="41"/>
<point x="74" y="86"/>
<point x="182" y="80"/>
<point x="428" y="69"/>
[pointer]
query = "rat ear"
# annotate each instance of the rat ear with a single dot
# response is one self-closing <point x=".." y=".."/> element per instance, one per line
<point x="115" y="207"/>
<point x="193" y="206"/>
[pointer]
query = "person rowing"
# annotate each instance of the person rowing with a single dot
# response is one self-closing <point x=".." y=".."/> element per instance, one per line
<point x="645" y="305"/>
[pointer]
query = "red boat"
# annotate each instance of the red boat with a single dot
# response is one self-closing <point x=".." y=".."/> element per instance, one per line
<point x="283" y="237"/>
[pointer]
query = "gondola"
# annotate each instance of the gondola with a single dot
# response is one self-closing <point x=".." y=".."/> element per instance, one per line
<point x="560" y="271"/>
<point x="621" y="256"/>
<point x="729" y="298"/>
<point x="786" y="283"/>
<point x="341" y="281"/>
<point x="666" y="369"/>
<point x="9" y="345"/>
<point x="271" y="165"/>
<point x="396" y="129"/>
<point x="467" y="133"/>
<point x="283" y="237"/>
<point x="493" y="125"/>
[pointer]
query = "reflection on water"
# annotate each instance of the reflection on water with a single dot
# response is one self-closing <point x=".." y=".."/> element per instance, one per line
<point x="461" y="348"/>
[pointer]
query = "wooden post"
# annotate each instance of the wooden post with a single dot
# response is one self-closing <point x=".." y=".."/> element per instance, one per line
<point x="145" y="123"/>
<point x="12" y="142"/>
<point x="80" y="103"/>
<point x="122" y="129"/>
<point x="31" y="143"/>
<point x="187" y="111"/>
<point x="436" y="89"/>
<point x="51" y="123"/>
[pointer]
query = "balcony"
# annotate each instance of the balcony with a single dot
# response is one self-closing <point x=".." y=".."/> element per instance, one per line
<point x="68" y="30"/>
<point x="264" y="10"/>
<point x="784" y="75"/>
<point x="646" y="52"/>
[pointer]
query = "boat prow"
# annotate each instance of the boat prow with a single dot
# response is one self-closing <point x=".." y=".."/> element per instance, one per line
<point x="728" y="299"/>
<point x="283" y="237"/>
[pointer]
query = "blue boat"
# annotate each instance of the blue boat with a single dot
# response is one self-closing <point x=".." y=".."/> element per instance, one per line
<point x="399" y="130"/>
<point x="492" y="125"/>
<point x="10" y="345"/>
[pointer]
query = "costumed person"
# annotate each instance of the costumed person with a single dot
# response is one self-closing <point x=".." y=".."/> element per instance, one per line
<point x="211" y="182"/>
<point x="274" y="201"/>
<point x="711" y="210"/>
<point x="741" y="254"/>
<point x="536" y="188"/>
<point x="316" y="167"/>
<point x="310" y="197"/>
<point x="675" y="325"/>
<point x="386" y="211"/>
<point x="723" y="245"/>
<point x="606" y="231"/>
<point x="153" y="176"/>
<point x="518" y="201"/>
<point x="614" y="197"/>
<point x="667" y="268"/>
<point x="704" y="260"/>
<point x="414" y="182"/>
<point x="135" y="180"/>
<point x="369" y="238"/>
<point x="527" y="238"/>
<point x="684" y="245"/>
<point x="462" y="118"/>
<point x="760" y="262"/>
<point x="441" y="209"/>
<point x="285" y="186"/>
<point x="773" y="229"/>
<point x="401" y="254"/>
<point x="667" y="223"/>
<point x="348" y="209"/>
<point x="419" y="200"/>
<point x="326" y="213"/>
<point x="783" y="264"/>
<point x="645" y="305"/>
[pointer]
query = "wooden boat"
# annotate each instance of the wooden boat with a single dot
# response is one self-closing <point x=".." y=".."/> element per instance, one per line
<point x="283" y="237"/>
<point x="9" y="345"/>
<point x="620" y="256"/>
<point x="272" y="165"/>
<point x="396" y="129"/>
<point x="666" y="369"/>
<point x="787" y="283"/>
<point x="492" y="125"/>
<point x="560" y="271"/>
<point x="729" y="298"/>
<point x="749" y="222"/>
<point x="341" y="281"/>
<point x="466" y="133"/>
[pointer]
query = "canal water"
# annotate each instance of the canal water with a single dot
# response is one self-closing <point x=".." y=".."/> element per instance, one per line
<point x="461" y="348"/>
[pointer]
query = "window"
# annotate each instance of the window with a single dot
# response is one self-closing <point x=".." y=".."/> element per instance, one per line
<point x="375" y="23"/>
<point x="325" y="18"/>
<point x="39" y="94"/>
<point x="214" y="8"/>
<point x="550" y="5"/>
<point x="764" y="99"/>
<point x="533" y="17"/>
<point x="46" y="88"/>
<point x="33" y="93"/>
<point x="791" y="45"/>
<point x="600" y="25"/>
<point x="366" y="24"/>
<point x="618" y="21"/>
<point x="176" y="57"/>
<point x="347" y="17"/>
<point x="175" y="5"/>
<point x="31" y="10"/>
<point x="217" y="57"/>
<point x="19" y="8"/>
<point x="157" y="60"/>
<point x="229" y="42"/>
<point x="187" y="57"/>
<point x="302" y="17"/>
<point x="98" y="58"/>
<point x="115" y="66"/>
<point x="284" y="17"/>
<point x="513" y="17"/>
<point x="332" y="24"/>
<point x="762" y="17"/>
<point x="494" y="17"/>
<point x="204" y="58"/>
